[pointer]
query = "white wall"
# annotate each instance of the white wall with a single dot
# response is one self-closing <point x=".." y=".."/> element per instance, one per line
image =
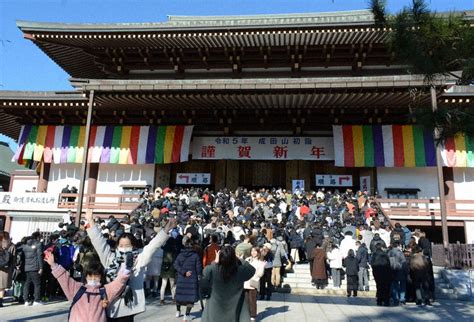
<point x="424" y="179"/>
<point x="469" y="232"/>
<point x="464" y="183"/>
<point x="113" y="176"/>
<point x="61" y="175"/>
<point x="25" y="226"/>
<point x="24" y="183"/>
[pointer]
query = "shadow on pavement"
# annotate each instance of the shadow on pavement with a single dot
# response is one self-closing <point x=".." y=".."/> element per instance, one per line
<point x="41" y="317"/>
<point x="269" y="311"/>
<point x="452" y="310"/>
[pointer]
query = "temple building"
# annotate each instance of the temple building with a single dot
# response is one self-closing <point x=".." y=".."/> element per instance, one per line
<point x="308" y="100"/>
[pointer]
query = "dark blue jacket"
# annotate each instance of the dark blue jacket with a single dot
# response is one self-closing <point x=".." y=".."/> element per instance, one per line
<point x="363" y="256"/>
<point x="187" y="288"/>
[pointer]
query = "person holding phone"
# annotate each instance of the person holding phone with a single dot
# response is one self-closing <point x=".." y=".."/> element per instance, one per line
<point x="132" y="300"/>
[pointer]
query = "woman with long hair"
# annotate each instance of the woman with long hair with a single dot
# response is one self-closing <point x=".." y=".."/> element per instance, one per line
<point x="168" y="272"/>
<point x="132" y="300"/>
<point x="226" y="277"/>
<point x="6" y="260"/>
<point x="252" y="286"/>
<point x="266" y="286"/>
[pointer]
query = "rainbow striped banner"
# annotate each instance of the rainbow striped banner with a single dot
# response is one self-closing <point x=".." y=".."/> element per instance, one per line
<point x="383" y="146"/>
<point x="108" y="144"/>
<point x="458" y="151"/>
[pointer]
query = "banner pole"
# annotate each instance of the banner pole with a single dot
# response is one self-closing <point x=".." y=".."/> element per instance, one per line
<point x="84" y="160"/>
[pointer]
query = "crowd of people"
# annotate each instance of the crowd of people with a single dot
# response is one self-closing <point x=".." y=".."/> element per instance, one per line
<point x="226" y="250"/>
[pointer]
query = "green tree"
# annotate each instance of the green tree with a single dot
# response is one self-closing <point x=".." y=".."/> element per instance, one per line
<point x="429" y="43"/>
<point x="433" y="45"/>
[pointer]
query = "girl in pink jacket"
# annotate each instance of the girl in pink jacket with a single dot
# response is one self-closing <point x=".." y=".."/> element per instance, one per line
<point x="91" y="299"/>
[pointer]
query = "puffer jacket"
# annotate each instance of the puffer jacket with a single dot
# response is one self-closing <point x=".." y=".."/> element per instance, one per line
<point x="279" y="253"/>
<point x="32" y="251"/>
<point x="362" y="256"/>
<point x="187" y="287"/>
<point x="376" y="240"/>
<point x="335" y="258"/>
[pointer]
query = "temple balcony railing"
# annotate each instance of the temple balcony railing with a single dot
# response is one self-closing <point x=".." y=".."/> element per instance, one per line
<point x="100" y="201"/>
<point x="422" y="208"/>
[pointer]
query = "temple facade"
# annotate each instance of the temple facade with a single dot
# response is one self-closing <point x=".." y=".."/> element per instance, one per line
<point x="295" y="100"/>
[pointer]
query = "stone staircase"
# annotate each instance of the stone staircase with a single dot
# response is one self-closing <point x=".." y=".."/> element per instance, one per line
<point x="300" y="282"/>
<point x="452" y="284"/>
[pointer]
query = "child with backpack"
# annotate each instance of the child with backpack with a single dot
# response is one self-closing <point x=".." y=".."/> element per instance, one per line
<point x="89" y="300"/>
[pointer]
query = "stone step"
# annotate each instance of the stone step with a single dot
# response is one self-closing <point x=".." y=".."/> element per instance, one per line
<point x="308" y="277"/>
<point x="449" y="296"/>
<point x="299" y="279"/>
<point x="310" y="286"/>
<point x="328" y="292"/>
<point x="443" y="285"/>
<point x="444" y="291"/>
<point x="293" y="282"/>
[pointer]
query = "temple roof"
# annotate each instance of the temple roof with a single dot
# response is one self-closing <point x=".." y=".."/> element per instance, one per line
<point x="212" y="47"/>
<point x="327" y="19"/>
<point x="238" y="103"/>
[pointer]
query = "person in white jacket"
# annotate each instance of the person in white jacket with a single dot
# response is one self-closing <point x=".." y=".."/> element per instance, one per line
<point x="347" y="243"/>
<point x="252" y="286"/>
<point x="132" y="301"/>
<point x="335" y="263"/>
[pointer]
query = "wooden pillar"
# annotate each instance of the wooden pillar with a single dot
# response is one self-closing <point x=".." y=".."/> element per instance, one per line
<point x="304" y="173"/>
<point x="43" y="177"/>
<point x="291" y="173"/>
<point x="92" y="180"/>
<point x="232" y="174"/>
<point x="8" y="223"/>
<point x="84" y="159"/>
<point x="162" y="175"/>
<point x="220" y="179"/>
<point x="439" y="170"/>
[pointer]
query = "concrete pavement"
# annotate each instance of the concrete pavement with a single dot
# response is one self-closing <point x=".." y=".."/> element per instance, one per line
<point x="282" y="307"/>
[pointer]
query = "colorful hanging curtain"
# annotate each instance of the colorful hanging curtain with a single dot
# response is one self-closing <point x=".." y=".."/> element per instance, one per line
<point x="107" y="144"/>
<point x="383" y="146"/>
<point x="458" y="151"/>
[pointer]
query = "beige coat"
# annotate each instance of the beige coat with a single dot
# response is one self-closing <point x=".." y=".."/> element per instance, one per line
<point x="254" y="282"/>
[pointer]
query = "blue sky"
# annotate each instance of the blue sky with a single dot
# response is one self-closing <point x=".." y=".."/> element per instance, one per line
<point x="24" y="67"/>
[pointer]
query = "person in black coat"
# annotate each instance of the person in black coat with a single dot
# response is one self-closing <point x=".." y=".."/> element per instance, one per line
<point x="352" y="273"/>
<point x="425" y="245"/>
<point x="382" y="274"/>
<point x="397" y="235"/>
<point x="189" y="268"/>
<point x="33" y="251"/>
<point x="363" y="260"/>
<point x="375" y="241"/>
<point x="419" y="272"/>
<point x="310" y="245"/>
